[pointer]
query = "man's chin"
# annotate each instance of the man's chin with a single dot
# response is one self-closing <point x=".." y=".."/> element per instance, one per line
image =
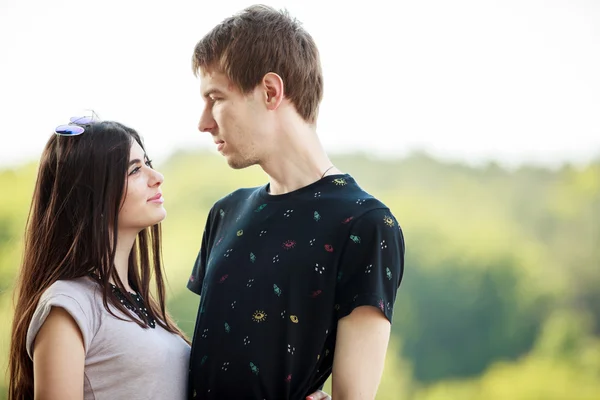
<point x="237" y="163"/>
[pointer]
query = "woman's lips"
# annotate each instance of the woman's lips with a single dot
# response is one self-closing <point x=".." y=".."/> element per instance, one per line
<point x="157" y="198"/>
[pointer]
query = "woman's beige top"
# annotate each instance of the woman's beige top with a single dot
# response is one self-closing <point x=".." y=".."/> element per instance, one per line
<point x="122" y="359"/>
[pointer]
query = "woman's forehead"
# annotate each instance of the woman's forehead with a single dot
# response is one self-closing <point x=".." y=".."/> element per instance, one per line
<point x="136" y="151"/>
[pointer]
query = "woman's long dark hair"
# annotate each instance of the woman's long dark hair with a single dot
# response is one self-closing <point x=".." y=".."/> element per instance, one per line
<point x="72" y="232"/>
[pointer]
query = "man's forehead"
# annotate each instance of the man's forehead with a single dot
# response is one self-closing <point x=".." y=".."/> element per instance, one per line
<point x="213" y="80"/>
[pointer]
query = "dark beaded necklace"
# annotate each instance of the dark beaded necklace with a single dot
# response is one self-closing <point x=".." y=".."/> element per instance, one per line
<point x="139" y="307"/>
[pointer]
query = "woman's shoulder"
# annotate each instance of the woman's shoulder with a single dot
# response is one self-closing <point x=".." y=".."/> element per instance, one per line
<point x="79" y="297"/>
<point x="83" y="290"/>
<point x="82" y="286"/>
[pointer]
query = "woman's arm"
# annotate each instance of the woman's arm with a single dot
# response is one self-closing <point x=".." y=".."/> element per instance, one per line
<point x="318" y="395"/>
<point x="58" y="358"/>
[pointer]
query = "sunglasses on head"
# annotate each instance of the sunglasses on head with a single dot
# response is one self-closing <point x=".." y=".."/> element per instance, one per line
<point x="76" y="125"/>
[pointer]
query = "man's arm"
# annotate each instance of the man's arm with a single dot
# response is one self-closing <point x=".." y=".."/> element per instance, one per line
<point x="361" y="344"/>
<point x="371" y="270"/>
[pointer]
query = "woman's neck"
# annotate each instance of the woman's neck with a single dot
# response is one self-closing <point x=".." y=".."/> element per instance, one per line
<point x="125" y="242"/>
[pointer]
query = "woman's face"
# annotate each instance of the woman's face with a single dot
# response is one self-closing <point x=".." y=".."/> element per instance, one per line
<point x="143" y="203"/>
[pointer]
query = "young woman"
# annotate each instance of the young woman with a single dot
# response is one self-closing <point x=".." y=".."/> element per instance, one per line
<point x="87" y="322"/>
<point x="90" y="319"/>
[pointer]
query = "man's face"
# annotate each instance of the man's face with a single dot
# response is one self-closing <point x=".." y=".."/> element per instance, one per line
<point x="236" y="121"/>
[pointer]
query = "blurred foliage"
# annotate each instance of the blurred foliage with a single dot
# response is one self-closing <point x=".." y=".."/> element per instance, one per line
<point x="501" y="295"/>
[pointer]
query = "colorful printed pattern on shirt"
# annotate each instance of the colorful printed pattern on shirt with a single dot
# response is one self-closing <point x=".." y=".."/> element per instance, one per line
<point x="275" y="273"/>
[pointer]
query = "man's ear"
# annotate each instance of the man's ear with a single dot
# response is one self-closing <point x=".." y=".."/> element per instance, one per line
<point x="273" y="90"/>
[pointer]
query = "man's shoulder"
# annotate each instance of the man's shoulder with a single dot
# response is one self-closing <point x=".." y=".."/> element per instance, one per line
<point x="354" y="197"/>
<point x="238" y="195"/>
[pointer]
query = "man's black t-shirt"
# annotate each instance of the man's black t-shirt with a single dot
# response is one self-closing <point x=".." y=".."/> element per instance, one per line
<point x="275" y="274"/>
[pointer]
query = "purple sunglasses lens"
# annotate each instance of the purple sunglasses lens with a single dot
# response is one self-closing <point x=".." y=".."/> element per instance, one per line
<point x="81" y="120"/>
<point x="69" y="130"/>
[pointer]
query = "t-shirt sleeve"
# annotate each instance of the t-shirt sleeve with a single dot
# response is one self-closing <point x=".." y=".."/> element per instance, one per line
<point x="372" y="264"/>
<point x="79" y="307"/>
<point x="197" y="276"/>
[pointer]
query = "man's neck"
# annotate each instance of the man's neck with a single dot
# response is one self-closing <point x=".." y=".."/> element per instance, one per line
<point x="298" y="161"/>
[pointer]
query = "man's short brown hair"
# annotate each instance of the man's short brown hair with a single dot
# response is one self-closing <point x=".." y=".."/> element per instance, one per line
<point x="260" y="40"/>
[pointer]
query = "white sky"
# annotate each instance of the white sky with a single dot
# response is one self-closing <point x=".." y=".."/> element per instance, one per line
<point x="513" y="80"/>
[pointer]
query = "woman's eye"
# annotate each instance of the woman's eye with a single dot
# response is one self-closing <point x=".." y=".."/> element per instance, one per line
<point x="135" y="170"/>
<point x="149" y="163"/>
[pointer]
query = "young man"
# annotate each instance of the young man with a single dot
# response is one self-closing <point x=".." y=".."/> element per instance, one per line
<point x="298" y="277"/>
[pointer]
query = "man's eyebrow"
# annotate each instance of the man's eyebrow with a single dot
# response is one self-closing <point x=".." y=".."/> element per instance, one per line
<point x="210" y="91"/>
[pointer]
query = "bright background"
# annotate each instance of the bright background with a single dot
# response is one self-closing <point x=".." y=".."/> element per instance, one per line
<point x="514" y="80"/>
<point x="476" y="122"/>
